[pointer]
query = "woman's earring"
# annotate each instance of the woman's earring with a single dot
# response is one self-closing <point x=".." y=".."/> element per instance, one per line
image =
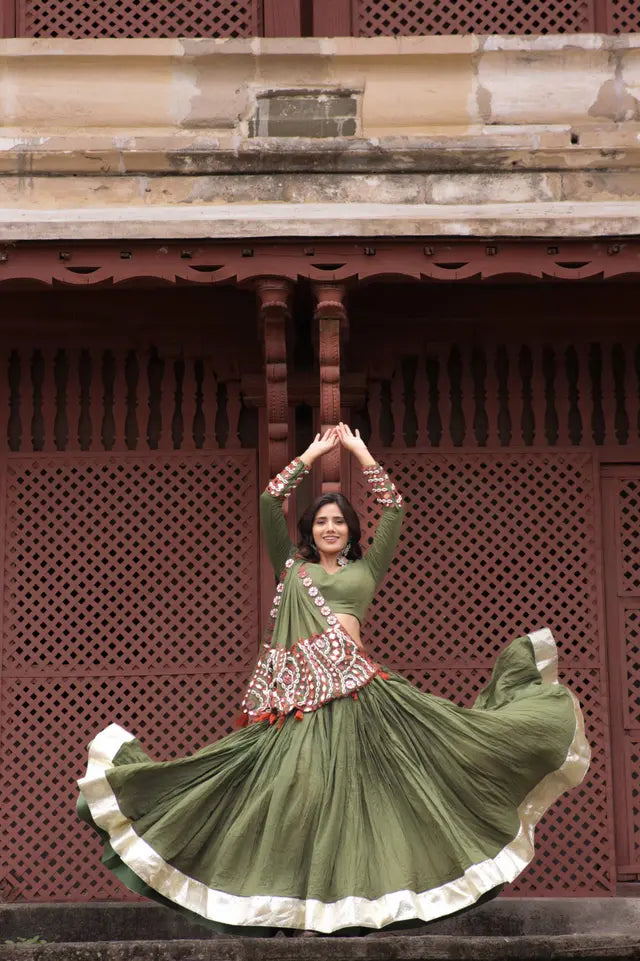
<point x="343" y="558"/>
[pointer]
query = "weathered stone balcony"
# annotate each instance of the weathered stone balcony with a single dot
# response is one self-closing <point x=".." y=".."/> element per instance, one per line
<point x="484" y="136"/>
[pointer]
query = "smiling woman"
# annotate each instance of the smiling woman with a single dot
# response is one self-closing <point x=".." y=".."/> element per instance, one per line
<point x="330" y="533"/>
<point x="330" y="536"/>
<point x="349" y="799"/>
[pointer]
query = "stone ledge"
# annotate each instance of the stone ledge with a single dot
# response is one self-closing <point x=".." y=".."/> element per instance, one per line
<point x="441" y="189"/>
<point x="228" y="221"/>
<point x="487" y="149"/>
<point x="371" y="948"/>
<point x="318" y="46"/>
<point x="504" y="919"/>
<point x="180" y="153"/>
<point x="525" y="929"/>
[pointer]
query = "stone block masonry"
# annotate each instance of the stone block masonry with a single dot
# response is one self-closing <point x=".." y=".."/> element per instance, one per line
<point x="476" y="136"/>
<point x="305" y="114"/>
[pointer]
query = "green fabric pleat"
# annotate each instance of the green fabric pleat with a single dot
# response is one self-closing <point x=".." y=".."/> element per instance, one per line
<point x="394" y="790"/>
<point x="135" y="884"/>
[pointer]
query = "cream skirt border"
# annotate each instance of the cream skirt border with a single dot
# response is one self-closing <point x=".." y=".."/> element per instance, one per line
<point x="264" y="910"/>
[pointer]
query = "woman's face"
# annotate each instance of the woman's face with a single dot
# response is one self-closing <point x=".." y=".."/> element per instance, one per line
<point x="330" y="531"/>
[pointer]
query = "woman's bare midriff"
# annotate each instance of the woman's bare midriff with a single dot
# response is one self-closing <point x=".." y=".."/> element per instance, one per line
<point x="351" y="625"/>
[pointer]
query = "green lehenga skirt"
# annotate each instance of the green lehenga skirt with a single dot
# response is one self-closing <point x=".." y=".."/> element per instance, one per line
<point x="393" y="806"/>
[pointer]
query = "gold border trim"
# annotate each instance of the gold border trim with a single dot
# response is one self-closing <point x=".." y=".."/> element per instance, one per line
<point x="285" y="912"/>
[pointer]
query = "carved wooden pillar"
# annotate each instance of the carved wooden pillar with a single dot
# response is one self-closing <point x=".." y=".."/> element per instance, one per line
<point x="273" y="305"/>
<point x="331" y="322"/>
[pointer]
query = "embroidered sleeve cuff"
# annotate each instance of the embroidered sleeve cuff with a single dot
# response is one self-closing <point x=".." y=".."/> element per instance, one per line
<point x="382" y="487"/>
<point x="284" y="483"/>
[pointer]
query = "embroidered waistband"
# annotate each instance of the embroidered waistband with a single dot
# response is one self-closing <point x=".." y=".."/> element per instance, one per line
<point x="306" y="676"/>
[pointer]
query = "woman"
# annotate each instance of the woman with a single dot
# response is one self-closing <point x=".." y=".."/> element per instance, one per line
<point x="349" y="799"/>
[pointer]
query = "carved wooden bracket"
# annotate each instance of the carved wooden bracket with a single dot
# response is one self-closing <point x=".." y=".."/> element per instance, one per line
<point x="274" y="295"/>
<point x="330" y="318"/>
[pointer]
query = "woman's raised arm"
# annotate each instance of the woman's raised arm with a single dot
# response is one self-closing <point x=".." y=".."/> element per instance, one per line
<point x="274" y="524"/>
<point x="385" y="540"/>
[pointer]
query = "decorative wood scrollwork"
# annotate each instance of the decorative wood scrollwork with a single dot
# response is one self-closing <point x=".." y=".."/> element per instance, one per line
<point x="273" y="305"/>
<point x="210" y="262"/>
<point x="331" y="319"/>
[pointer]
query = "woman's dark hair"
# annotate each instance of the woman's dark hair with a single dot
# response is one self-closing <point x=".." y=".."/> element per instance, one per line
<point x="306" y="546"/>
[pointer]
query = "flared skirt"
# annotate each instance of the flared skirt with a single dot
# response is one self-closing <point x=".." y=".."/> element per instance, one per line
<point x="392" y="806"/>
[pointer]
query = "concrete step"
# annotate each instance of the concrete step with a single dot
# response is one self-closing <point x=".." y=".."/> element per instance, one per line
<point x="523" y="929"/>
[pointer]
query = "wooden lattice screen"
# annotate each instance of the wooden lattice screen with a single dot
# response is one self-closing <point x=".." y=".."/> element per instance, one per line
<point x="623" y="16"/>
<point x="130" y="569"/>
<point x="366" y="18"/>
<point x="496" y="545"/>
<point x="139" y="18"/>
<point x="129" y="596"/>
<point x="633" y="766"/>
<point x="407" y="17"/>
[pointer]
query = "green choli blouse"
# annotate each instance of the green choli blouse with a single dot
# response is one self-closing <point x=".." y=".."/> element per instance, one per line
<point x="349" y="591"/>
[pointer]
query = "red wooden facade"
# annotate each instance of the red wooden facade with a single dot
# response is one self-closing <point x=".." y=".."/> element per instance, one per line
<point x="79" y="19"/>
<point x="500" y="383"/>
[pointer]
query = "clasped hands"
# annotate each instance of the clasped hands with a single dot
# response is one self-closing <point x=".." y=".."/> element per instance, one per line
<point x="340" y="434"/>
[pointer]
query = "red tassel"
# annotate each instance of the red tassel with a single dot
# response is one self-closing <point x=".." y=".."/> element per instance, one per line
<point x="241" y="720"/>
<point x="383" y="675"/>
<point x="273" y="718"/>
<point x="354" y="696"/>
<point x="299" y="715"/>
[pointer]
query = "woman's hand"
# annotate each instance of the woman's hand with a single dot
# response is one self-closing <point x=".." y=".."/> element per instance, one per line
<point x="320" y="446"/>
<point x="355" y="444"/>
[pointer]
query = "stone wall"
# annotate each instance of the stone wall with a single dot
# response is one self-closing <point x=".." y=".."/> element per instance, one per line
<point x="424" y="135"/>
